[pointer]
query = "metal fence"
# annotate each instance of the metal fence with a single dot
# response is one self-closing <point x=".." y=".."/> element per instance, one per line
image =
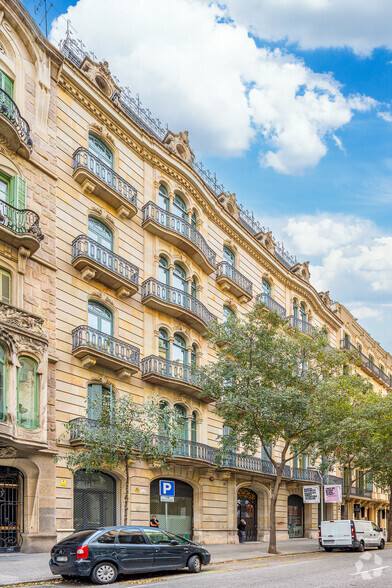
<point x="271" y="304"/>
<point x="224" y="268"/>
<point x="20" y="221"/>
<point x="85" y="336"/>
<point x="173" y="370"/>
<point x="9" y="109"/>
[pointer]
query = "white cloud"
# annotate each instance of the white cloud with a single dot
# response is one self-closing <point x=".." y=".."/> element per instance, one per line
<point x="205" y="74"/>
<point x="385" y="115"/>
<point x="357" y="24"/>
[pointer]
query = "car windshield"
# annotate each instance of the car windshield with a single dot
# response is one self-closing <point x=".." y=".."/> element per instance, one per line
<point x="178" y="538"/>
<point x="79" y="537"/>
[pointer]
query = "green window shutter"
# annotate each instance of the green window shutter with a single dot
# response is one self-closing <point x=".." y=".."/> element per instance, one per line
<point x="5" y="284"/>
<point x="18" y="191"/>
<point x="6" y="84"/>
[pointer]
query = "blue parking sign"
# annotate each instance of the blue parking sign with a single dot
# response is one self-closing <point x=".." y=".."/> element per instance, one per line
<point x="166" y="488"/>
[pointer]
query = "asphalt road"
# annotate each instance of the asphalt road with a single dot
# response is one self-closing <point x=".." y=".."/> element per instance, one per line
<point x="317" y="570"/>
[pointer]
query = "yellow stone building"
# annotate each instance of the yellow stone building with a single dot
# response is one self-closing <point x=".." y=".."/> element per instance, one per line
<point x="116" y="249"/>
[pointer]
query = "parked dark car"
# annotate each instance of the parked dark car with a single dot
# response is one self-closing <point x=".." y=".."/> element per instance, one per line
<point x="104" y="553"/>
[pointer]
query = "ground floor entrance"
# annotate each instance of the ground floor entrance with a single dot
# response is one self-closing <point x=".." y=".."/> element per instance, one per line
<point x="11" y="509"/>
<point x="94" y="500"/>
<point x="247" y="510"/>
<point x="176" y="516"/>
<point x="295" y="516"/>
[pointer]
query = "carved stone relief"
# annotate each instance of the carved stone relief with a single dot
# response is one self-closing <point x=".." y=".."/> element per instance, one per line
<point x="266" y="240"/>
<point x="326" y="298"/>
<point x="100" y="75"/>
<point x="302" y="270"/>
<point x="178" y="143"/>
<point x="229" y="203"/>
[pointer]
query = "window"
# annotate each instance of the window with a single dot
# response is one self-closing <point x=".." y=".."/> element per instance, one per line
<point x="382" y="368"/>
<point x="5" y="286"/>
<point x="194" y="288"/>
<point x="194" y="220"/>
<point x="227" y="314"/>
<point x="130" y="537"/>
<point x="13" y="191"/>
<point x="359" y="347"/>
<point x="100" y="318"/>
<point x="264" y="453"/>
<point x="27" y="393"/>
<point x="163" y="344"/>
<point x="265" y="287"/>
<point x="6" y="84"/>
<point x="193" y="356"/>
<point x="100" y="402"/>
<point x="164" y="274"/>
<point x="179" y="207"/>
<point x="179" y="278"/>
<point x="107" y="538"/>
<point x="228" y="256"/>
<point x="163" y="198"/>
<point x="3" y="383"/>
<point x="157" y="537"/>
<point x="180" y="352"/>
<point x="194" y="426"/>
<point x="295" y="308"/>
<point x="181" y="411"/>
<point x="99" y="149"/>
<point x="4" y="188"/>
<point x="302" y="313"/>
<point x="100" y="233"/>
<point x="371" y="358"/>
<point x="179" y="539"/>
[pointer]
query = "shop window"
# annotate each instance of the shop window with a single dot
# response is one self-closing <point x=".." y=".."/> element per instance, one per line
<point x="5" y="286"/>
<point x="27" y="384"/>
<point x="100" y="318"/>
<point x="100" y="233"/>
<point x="3" y="383"/>
<point x="100" y="150"/>
<point x="100" y="401"/>
<point x="228" y="256"/>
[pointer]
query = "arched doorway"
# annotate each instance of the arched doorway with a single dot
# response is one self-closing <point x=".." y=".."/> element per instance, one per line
<point x="295" y="516"/>
<point x="247" y="510"/>
<point x="11" y="509"/>
<point x="94" y="500"/>
<point x="179" y="512"/>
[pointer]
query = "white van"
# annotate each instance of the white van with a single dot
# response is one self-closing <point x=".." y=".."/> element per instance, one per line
<point x="350" y="534"/>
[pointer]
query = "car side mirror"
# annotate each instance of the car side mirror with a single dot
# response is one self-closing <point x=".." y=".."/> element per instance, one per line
<point x="174" y="542"/>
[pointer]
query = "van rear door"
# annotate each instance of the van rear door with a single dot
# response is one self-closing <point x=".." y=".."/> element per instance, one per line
<point x="336" y="533"/>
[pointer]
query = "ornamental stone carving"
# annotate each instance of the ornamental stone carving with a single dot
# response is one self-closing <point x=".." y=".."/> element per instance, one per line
<point x="16" y="317"/>
<point x="7" y="451"/>
<point x="179" y="145"/>
<point x="325" y="298"/>
<point x="301" y="270"/>
<point x="266" y="239"/>
<point x="100" y="75"/>
<point x="229" y="203"/>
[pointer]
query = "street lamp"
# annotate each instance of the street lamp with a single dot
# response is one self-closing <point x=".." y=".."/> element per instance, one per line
<point x="314" y="469"/>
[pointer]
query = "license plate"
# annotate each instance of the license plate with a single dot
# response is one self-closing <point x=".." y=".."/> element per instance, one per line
<point x="62" y="558"/>
<point x="328" y="541"/>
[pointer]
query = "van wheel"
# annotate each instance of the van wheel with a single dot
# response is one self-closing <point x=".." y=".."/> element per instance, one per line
<point x="328" y="548"/>
<point x="104" y="573"/>
<point x="382" y="544"/>
<point x="361" y="546"/>
<point x="194" y="564"/>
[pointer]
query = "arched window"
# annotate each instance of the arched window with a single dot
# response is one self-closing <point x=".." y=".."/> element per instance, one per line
<point x="3" y="383"/>
<point x="228" y="256"/>
<point x="194" y="220"/>
<point x="180" y="352"/>
<point x="371" y="358"/>
<point x="100" y="150"/>
<point x="181" y="411"/>
<point x="164" y="274"/>
<point x="295" y="308"/>
<point x="194" y="426"/>
<point x="163" y="198"/>
<point x="27" y="383"/>
<point x="100" y="233"/>
<point x="179" y="207"/>
<point x="179" y="278"/>
<point x="302" y="312"/>
<point x="266" y="287"/>
<point x="163" y="344"/>
<point x="227" y="314"/>
<point x="194" y="288"/>
<point x="193" y="356"/>
<point x="5" y="286"/>
<point x="100" y="402"/>
<point x="100" y="318"/>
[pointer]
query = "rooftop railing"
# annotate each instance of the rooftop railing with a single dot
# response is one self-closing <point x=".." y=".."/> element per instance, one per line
<point x="9" y="109"/>
<point x="224" y="268"/>
<point x="22" y="222"/>
<point x="90" y="338"/>
<point x="366" y="362"/>
<point x="271" y="304"/>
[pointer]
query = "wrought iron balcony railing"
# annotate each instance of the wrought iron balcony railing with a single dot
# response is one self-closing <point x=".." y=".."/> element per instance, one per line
<point x="271" y="304"/>
<point x="225" y="270"/>
<point x="22" y="223"/>
<point x="174" y="370"/>
<point x="301" y="325"/>
<point x="360" y="492"/>
<point x="9" y="109"/>
<point x="85" y="339"/>
<point x="84" y="247"/>
<point x="83" y="158"/>
<point x="177" y="230"/>
<point x="366" y="362"/>
<point x="185" y="306"/>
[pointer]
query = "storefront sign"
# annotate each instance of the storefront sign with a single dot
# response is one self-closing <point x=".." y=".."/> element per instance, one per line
<point x="311" y="494"/>
<point x="333" y="493"/>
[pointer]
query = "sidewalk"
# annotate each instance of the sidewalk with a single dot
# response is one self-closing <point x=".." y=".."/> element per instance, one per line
<point x="33" y="567"/>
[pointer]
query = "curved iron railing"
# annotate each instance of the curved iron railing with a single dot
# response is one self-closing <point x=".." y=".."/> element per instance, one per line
<point x="87" y="247"/>
<point x="271" y="304"/>
<point x="20" y="221"/>
<point x="361" y="492"/>
<point x="178" y="225"/>
<point x="169" y="369"/>
<point x="9" y="109"/>
<point x="366" y="362"/>
<point x="85" y="336"/>
<point x="301" y="325"/>
<point x="224" y="268"/>
<point x="151" y="287"/>
<point x="87" y="160"/>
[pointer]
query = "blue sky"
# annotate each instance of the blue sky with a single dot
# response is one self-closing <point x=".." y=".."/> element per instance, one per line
<point x="288" y="101"/>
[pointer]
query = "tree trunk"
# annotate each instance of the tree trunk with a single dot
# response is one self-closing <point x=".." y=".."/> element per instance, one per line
<point x="389" y="530"/>
<point x="126" y="497"/>
<point x="274" y="498"/>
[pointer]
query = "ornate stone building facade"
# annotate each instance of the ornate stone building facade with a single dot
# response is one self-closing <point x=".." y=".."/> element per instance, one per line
<point x="116" y="250"/>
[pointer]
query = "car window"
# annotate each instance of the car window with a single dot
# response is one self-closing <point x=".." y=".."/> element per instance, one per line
<point x="157" y="537"/>
<point x="178" y="538"/>
<point x="375" y="528"/>
<point x="130" y="537"/>
<point x="107" y="537"/>
<point x="79" y="537"/>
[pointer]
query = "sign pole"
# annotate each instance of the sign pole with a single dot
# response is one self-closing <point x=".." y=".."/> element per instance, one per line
<point x="166" y="516"/>
<point x="322" y="497"/>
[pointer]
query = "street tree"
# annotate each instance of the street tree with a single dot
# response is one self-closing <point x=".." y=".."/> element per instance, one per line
<point x="123" y="432"/>
<point x="272" y="384"/>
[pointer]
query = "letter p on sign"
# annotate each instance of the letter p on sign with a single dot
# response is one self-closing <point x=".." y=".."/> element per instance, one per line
<point x="166" y="488"/>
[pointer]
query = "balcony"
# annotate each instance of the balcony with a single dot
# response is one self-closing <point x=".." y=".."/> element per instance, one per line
<point x="231" y="280"/>
<point x="99" y="179"/>
<point x="171" y="374"/>
<point x="358" y="492"/>
<point x="367" y="365"/>
<point x="96" y="262"/>
<point x="176" y="303"/>
<point x="20" y="228"/>
<point x="302" y="326"/>
<point x="93" y="347"/>
<point x="271" y="304"/>
<point x="179" y="232"/>
<point x="14" y="128"/>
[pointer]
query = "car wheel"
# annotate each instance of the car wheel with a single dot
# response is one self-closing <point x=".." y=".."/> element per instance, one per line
<point x="382" y="544"/>
<point x="104" y="573"/>
<point x="361" y="546"/>
<point x="328" y="548"/>
<point x="194" y="564"/>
